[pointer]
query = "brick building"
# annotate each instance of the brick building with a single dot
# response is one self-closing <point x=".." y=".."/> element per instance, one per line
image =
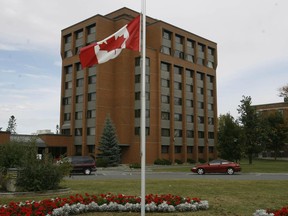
<point x="181" y="107"/>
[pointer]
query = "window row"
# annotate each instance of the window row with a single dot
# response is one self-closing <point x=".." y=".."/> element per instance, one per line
<point x="80" y="82"/>
<point x="89" y="132"/>
<point x="79" y="98"/>
<point x="165" y="132"/>
<point x="178" y="70"/>
<point x="178" y="149"/>
<point x="79" y="115"/>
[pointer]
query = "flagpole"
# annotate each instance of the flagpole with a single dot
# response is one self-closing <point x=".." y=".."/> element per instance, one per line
<point x="143" y="109"/>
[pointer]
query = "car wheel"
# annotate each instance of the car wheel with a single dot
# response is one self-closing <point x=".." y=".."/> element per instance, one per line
<point x="200" y="171"/>
<point x="230" y="171"/>
<point x="87" y="171"/>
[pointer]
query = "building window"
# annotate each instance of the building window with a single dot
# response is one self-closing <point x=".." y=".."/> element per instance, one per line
<point x="210" y="78"/>
<point x="68" y="85"/>
<point x="190" y="58"/>
<point x="177" y="117"/>
<point x="91" y="114"/>
<point x="190" y="43"/>
<point x="138" y="78"/>
<point x="91" y="29"/>
<point x="66" y="131"/>
<point x="68" y="69"/>
<point x="79" y="34"/>
<point x="165" y="132"/>
<point x="189" y="149"/>
<point x="178" y="70"/>
<point x="200" y="76"/>
<point x="210" y="93"/>
<point x="80" y="82"/>
<point x="177" y="133"/>
<point x="91" y="148"/>
<point x="178" y="39"/>
<point x="190" y="134"/>
<point x="165" y="115"/>
<point x="90" y="131"/>
<point x="211" y="149"/>
<point x="167" y="35"/>
<point x="210" y="107"/>
<point x="189" y="88"/>
<point x="200" y="90"/>
<point x="164" y="149"/>
<point x="165" y="66"/>
<point x="189" y="118"/>
<point x="68" y="53"/>
<point x="166" y="50"/>
<point x="165" y="99"/>
<point x="78" y="115"/>
<point x="138" y="131"/>
<point x="165" y="83"/>
<point x="178" y="149"/>
<point x="67" y="116"/>
<point x="189" y="103"/>
<point x="210" y="120"/>
<point x="66" y="101"/>
<point x="78" y="131"/>
<point x="200" y="105"/>
<point x="200" y="149"/>
<point x="92" y="79"/>
<point x="78" y="66"/>
<point x="179" y="54"/>
<point x="201" y="134"/>
<point x="200" y="119"/>
<point x="210" y="135"/>
<point x="189" y="73"/>
<point x="177" y="85"/>
<point x="79" y="98"/>
<point x="200" y="59"/>
<point x="68" y="38"/>
<point x="137" y="95"/>
<point x="92" y="96"/>
<point x="177" y="101"/>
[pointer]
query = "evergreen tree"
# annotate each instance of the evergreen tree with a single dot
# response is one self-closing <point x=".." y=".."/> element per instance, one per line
<point x="109" y="146"/>
<point x="12" y="125"/>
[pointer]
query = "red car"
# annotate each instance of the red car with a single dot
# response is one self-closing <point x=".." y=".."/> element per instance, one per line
<point x="217" y="166"/>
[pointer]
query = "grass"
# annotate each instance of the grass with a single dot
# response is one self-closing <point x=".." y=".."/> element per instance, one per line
<point x="226" y="198"/>
<point x="257" y="166"/>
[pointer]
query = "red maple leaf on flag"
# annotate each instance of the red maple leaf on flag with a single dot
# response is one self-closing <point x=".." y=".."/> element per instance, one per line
<point x="112" y="43"/>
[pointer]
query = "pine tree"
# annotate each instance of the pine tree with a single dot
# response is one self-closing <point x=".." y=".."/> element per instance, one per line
<point x="109" y="146"/>
<point x="12" y="125"/>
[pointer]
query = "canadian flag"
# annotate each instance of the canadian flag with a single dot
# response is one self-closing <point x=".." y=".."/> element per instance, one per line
<point x="127" y="37"/>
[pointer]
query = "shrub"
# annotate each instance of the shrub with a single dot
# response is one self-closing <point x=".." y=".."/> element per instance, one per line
<point x="42" y="175"/>
<point x="177" y="161"/>
<point x="201" y="160"/>
<point x="101" y="162"/>
<point x="135" y="166"/>
<point x="162" y="162"/>
<point x="191" y="161"/>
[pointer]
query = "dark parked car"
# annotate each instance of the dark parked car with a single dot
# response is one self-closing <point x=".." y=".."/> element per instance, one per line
<point x="82" y="164"/>
<point x="217" y="166"/>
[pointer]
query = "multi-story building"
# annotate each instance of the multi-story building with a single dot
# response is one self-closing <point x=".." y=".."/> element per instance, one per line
<point x="181" y="106"/>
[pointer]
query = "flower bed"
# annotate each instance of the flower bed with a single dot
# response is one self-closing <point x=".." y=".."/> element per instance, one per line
<point x="281" y="212"/>
<point x="104" y="202"/>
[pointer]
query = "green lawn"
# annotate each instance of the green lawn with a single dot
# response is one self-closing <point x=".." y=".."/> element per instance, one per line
<point x="226" y="198"/>
<point x="257" y="166"/>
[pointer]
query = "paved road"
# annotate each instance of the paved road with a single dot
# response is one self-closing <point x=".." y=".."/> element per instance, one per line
<point x="127" y="174"/>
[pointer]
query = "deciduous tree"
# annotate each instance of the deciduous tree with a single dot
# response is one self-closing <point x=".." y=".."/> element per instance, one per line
<point x="251" y="128"/>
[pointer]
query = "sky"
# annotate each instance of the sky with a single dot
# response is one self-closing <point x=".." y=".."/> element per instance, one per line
<point x="251" y="36"/>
